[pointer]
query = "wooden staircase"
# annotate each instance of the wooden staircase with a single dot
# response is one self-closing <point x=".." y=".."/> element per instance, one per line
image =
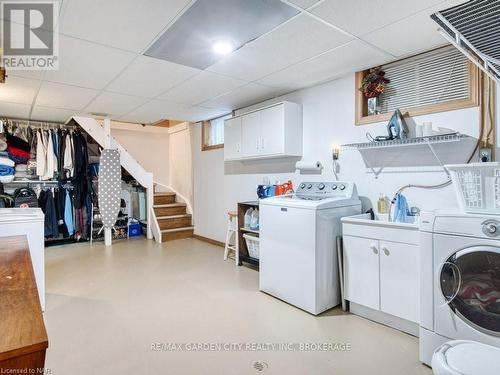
<point x="174" y="222"/>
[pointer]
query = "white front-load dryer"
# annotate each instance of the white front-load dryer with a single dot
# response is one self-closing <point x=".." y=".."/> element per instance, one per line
<point x="460" y="280"/>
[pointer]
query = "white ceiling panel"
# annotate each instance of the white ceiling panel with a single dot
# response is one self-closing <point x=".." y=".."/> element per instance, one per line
<point x="87" y="64"/>
<point x="64" y="96"/>
<point x="194" y="113"/>
<point x="126" y="24"/>
<point x="18" y="90"/>
<point x="14" y="110"/>
<point x="304" y="4"/>
<point x="349" y="58"/>
<point x="243" y="96"/>
<point x="360" y="16"/>
<point x="203" y="86"/>
<point x="412" y="35"/>
<point x="32" y="74"/>
<point x="115" y="104"/>
<point x="149" y="77"/>
<point x="51" y="114"/>
<point x="298" y="39"/>
<point x="152" y="111"/>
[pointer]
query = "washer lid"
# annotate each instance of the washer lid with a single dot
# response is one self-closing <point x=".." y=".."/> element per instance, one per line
<point x="473" y="358"/>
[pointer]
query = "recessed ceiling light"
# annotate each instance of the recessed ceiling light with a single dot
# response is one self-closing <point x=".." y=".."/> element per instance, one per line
<point x="223" y="47"/>
<point x="193" y="39"/>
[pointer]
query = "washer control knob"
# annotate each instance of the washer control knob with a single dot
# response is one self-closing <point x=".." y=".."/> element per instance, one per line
<point x="321" y="186"/>
<point x="309" y="186"/>
<point x="342" y="187"/>
<point x="491" y="228"/>
<point x="302" y="185"/>
<point x="334" y="187"/>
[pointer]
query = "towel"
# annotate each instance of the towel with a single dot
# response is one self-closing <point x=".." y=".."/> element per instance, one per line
<point x="5" y="170"/>
<point x="21" y="167"/>
<point x="6" y="179"/>
<point x="3" y="144"/>
<point x="6" y="161"/>
<point x="401" y="209"/>
<point x="18" y="143"/>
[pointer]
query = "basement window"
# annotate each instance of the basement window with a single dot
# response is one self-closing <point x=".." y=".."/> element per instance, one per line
<point x="436" y="81"/>
<point x="212" y="133"/>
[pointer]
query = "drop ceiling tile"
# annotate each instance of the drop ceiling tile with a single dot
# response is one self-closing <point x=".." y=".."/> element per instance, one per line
<point x="149" y="77"/>
<point x="194" y="113"/>
<point x="126" y="24"/>
<point x="152" y="111"/>
<point x="18" y="90"/>
<point x="201" y="87"/>
<point x="87" y="64"/>
<point x="115" y="104"/>
<point x="14" y="110"/>
<point x="32" y="74"/>
<point x="360" y="16"/>
<point x="415" y="34"/>
<point x="298" y="39"/>
<point x="243" y="96"/>
<point x="41" y="113"/>
<point x="346" y="59"/>
<point x="64" y="96"/>
<point x="304" y="4"/>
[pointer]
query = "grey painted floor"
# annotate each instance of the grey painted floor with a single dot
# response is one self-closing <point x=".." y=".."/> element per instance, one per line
<point x="106" y="307"/>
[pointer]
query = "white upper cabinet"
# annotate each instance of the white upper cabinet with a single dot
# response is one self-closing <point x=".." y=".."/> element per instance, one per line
<point x="232" y="138"/>
<point x="250" y="134"/>
<point x="271" y="132"/>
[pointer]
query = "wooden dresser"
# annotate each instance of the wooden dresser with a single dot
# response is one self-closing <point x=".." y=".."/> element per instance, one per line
<point x="23" y="338"/>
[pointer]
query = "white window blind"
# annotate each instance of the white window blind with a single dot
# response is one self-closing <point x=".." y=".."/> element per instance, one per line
<point x="214" y="131"/>
<point x="434" y="77"/>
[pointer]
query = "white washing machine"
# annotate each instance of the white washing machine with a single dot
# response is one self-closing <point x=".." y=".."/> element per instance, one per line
<point x="298" y="252"/>
<point x="460" y="280"/>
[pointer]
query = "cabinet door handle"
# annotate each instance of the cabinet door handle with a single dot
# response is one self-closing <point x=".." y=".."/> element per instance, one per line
<point x="386" y="250"/>
<point x="374" y="248"/>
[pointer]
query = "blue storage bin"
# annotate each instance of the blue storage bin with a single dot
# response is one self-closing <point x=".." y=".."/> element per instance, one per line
<point x="134" y="230"/>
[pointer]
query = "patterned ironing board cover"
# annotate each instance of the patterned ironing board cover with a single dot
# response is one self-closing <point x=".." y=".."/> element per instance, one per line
<point x="109" y="184"/>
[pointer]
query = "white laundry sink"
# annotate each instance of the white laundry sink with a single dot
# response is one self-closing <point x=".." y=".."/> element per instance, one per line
<point x="381" y="227"/>
<point x="381" y="220"/>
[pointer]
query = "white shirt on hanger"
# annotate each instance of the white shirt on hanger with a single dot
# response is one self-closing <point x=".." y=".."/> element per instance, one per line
<point x="41" y="155"/>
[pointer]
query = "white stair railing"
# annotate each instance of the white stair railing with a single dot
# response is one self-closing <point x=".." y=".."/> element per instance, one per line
<point x="96" y="131"/>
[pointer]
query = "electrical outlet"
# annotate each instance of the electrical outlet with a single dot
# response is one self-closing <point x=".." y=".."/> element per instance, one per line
<point x="485" y="155"/>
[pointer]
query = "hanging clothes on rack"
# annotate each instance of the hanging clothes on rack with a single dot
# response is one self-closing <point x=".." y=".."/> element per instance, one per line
<point x="41" y="154"/>
<point x="47" y="204"/>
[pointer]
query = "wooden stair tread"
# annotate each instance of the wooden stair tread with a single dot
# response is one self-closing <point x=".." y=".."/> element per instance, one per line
<point x="177" y="229"/>
<point x="166" y="217"/>
<point x="169" y="205"/>
<point x="164" y="193"/>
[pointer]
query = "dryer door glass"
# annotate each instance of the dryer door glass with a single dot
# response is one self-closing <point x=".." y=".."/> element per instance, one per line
<point x="470" y="282"/>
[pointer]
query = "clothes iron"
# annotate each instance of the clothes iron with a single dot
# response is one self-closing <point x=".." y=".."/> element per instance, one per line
<point x="396" y="128"/>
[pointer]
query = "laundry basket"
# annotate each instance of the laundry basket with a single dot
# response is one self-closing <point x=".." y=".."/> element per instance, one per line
<point x="253" y="245"/>
<point x="477" y="186"/>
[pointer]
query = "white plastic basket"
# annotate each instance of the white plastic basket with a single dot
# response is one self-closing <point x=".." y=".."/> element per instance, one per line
<point x="477" y="186"/>
<point x="253" y="245"/>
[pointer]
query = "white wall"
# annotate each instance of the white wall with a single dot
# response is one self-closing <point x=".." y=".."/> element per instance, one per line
<point x="328" y="119"/>
<point x="180" y="162"/>
<point x="148" y="145"/>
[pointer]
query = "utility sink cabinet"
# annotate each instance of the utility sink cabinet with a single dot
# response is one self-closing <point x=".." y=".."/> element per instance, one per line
<point x="381" y="270"/>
